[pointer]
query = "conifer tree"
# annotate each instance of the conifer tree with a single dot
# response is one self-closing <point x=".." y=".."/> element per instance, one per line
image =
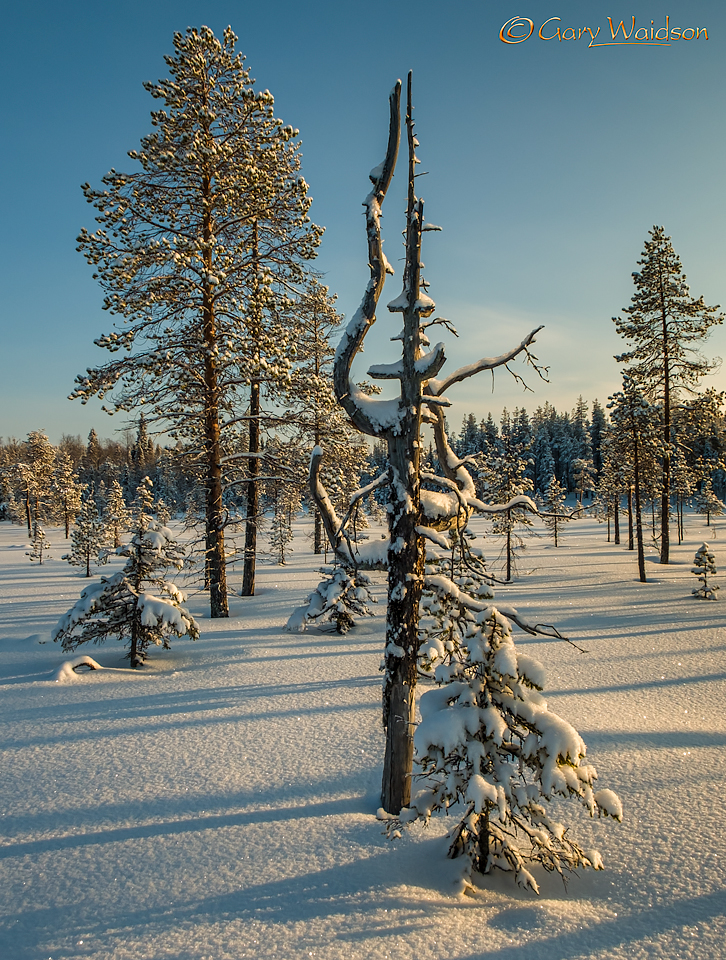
<point x="704" y="566"/>
<point x="67" y="491"/>
<point x="116" y="516"/>
<point x="665" y="326"/>
<point x="598" y="426"/>
<point x="706" y="502"/>
<point x="39" y="544"/>
<point x="398" y="421"/>
<point x="137" y="604"/>
<point x="488" y="742"/>
<point x="583" y="477"/>
<point x="89" y="537"/>
<point x="506" y="478"/>
<point x="189" y="252"/>
<point x="553" y="515"/>
<point x="633" y="418"/>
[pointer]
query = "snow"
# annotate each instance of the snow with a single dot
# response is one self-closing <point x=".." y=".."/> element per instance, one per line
<point x="220" y="803"/>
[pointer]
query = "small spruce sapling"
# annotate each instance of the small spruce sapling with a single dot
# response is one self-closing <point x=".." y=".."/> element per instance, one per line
<point x="488" y="741"/>
<point x="704" y="566"/>
<point x="707" y="503"/>
<point x="123" y="605"/>
<point x="343" y="595"/>
<point x="89" y="538"/>
<point x="553" y="514"/>
<point x="116" y="514"/>
<point x="39" y="545"/>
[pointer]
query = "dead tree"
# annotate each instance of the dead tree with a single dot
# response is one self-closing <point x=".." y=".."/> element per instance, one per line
<point x="415" y="513"/>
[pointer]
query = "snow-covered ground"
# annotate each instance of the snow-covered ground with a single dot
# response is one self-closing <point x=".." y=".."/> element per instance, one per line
<point x="220" y="804"/>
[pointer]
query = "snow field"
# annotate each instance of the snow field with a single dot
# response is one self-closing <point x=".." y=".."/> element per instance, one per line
<point x="220" y="803"/>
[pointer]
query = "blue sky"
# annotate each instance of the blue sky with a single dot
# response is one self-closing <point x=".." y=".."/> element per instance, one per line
<point x="548" y="162"/>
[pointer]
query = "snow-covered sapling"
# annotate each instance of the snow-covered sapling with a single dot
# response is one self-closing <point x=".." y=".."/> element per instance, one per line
<point x="116" y="515"/>
<point x="137" y="604"/>
<point x="704" y="566"/>
<point x="554" y="516"/>
<point x="488" y="742"/>
<point x="39" y="545"/>
<point x="707" y="503"/>
<point x="89" y="538"/>
<point x="343" y="595"/>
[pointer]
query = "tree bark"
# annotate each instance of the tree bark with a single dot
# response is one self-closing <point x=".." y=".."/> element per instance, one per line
<point x="214" y="555"/>
<point x="406" y="552"/>
<point x="253" y="495"/>
<point x="666" y="493"/>
<point x="631" y="539"/>
<point x="253" y="485"/>
<point x="616" y="519"/>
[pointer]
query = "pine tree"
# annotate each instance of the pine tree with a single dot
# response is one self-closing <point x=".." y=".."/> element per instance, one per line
<point x="665" y="325"/>
<point x="553" y="516"/>
<point x="611" y="484"/>
<point x="633" y="418"/>
<point x="116" y="517"/>
<point x="343" y="595"/>
<point x="92" y="459"/>
<point x="583" y="477"/>
<point x="706" y="502"/>
<point x="488" y="742"/>
<point x="89" y="537"/>
<point x="506" y="479"/>
<point x="67" y="491"/>
<point x="137" y="604"/>
<point x="285" y="502"/>
<point x="704" y="566"/>
<point x="191" y="250"/>
<point x="598" y="427"/>
<point x="40" y="547"/>
<point x="36" y="477"/>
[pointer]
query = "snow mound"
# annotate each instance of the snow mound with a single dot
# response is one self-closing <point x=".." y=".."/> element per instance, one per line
<point x="68" y="669"/>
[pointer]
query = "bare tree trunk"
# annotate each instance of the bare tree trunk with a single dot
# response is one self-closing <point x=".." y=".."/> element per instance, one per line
<point x="509" y="546"/>
<point x="253" y="495"/>
<point x="631" y="540"/>
<point x="318" y="533"/>
<point x="406" y="553"/>
<point x="616" y="519"/>
<point x="638" y="519"/>
<point x="215" y="557"/>
<point x="666" y="494"/>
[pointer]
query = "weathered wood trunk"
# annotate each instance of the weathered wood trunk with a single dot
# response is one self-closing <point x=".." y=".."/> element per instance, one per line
<point x="254" y="449"/>
<point x="253" y="495"/>
<point x="631" y="539"/>
<point x="215" y="560"/>
<point x="616" y="518"/>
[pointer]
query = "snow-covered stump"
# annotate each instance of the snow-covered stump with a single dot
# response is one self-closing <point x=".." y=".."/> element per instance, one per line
<point x="704" y="566"/>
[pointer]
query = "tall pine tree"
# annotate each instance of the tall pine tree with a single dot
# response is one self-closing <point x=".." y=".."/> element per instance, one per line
<point x="216" y="214"/>
<point x="665" y="326"/>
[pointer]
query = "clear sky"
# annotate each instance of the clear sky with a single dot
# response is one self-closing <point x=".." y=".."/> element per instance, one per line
<point x="548" y="161"/>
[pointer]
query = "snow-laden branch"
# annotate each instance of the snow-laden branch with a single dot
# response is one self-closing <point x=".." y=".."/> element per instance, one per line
<point x="371" y="555"/>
